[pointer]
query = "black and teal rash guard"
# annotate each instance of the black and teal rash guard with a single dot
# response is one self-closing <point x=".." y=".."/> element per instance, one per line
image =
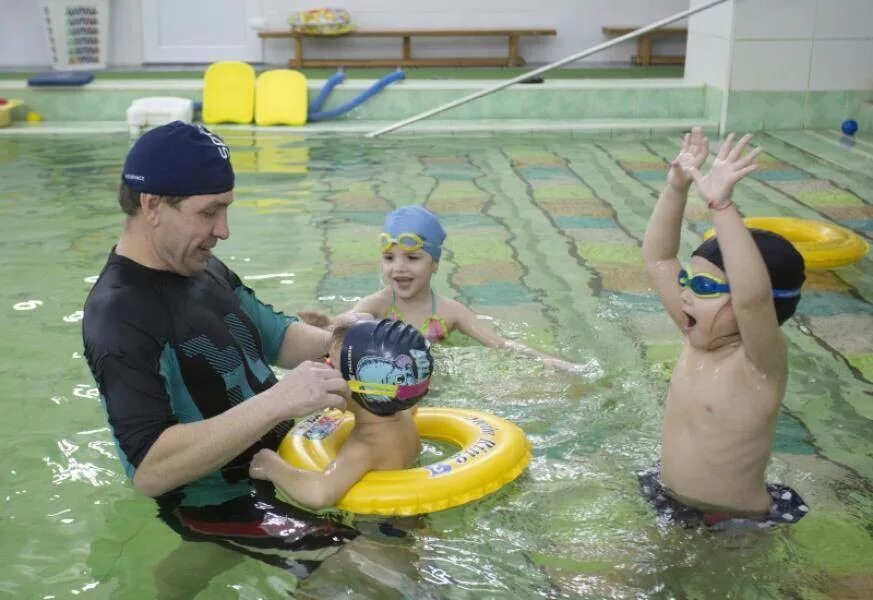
<point x="167" y="349"/>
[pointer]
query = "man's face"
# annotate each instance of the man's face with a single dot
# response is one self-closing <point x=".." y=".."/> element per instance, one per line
<point x="185" y="233"/>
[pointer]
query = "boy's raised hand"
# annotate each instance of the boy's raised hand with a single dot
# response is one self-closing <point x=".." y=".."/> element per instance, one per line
<point x="716" y="187"/>
<point x="695" y="149"/>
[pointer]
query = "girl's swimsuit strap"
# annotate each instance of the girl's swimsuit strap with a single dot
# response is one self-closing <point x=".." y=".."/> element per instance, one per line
<point x="394" y="313"/>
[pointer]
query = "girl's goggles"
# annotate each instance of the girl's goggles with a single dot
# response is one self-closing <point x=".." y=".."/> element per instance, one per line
<point x="401" y="392"/>
<point x="708" y="286"/>
<point x="408" y="242"/>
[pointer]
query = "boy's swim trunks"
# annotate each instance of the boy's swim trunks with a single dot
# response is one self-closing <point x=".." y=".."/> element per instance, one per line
<point x="787" y="506"/>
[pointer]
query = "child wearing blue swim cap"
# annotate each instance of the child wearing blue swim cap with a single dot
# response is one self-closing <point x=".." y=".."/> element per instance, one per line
<point x="411" y="244"/>
<point x="388" y="366"/>
<point x="730" y="378"/>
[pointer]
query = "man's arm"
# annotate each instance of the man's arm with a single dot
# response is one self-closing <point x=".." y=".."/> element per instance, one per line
<point x="661" y="240"/>
<point x="301" y="342"/>
<point x="751" y="290"/>
<point x="312" y="488"/>
<point x="187" y="451"/>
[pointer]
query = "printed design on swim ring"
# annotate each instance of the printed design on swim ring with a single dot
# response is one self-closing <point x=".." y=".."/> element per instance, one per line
<point x="822" y="245"/>
<point x="492" y="453"/>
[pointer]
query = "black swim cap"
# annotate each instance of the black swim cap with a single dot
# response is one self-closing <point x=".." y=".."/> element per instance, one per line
<point x="389" y="362"/>
<point x="784" y="265"/>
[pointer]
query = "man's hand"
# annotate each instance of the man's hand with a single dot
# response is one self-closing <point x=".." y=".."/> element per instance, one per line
<point x="310" y="387"/>
<point x="692" y="155"/>
<point x="716" y="187"/>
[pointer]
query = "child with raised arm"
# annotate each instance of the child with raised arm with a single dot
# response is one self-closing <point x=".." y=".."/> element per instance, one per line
<point x="388" y="366"/>
<point x="728" y="383"/>
<point x="411" y="245"/>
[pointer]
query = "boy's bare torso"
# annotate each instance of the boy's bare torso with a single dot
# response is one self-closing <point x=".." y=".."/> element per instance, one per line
<point x="718" y="430"/>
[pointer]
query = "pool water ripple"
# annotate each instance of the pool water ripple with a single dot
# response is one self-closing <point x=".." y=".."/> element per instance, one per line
<point x="544" y="234"/>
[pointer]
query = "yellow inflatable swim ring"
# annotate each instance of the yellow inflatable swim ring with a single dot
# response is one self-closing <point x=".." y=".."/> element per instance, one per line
<point x="492" y="453"/>
<point x="822" y="245"/>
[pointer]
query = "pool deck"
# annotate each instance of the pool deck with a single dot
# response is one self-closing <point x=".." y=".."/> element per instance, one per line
<point x="596" y="107"/>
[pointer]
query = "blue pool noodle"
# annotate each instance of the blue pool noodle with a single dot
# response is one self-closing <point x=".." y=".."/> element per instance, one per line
<point x="319" y="101"/>
<point x="355" y="102"/>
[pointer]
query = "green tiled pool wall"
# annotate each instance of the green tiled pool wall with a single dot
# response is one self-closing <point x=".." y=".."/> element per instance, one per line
<point x="746" y="111"/>
<point x="770" y="111"/>
<point x="712" y="100"/>
<point x="538" y="103"/>
<point x="865" y="120"/>
<point x="94" y="104"/>
<point x="87" y="104"/>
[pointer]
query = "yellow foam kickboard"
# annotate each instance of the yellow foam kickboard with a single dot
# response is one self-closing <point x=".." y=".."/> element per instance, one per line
<point x="229" y="93"/>
<point x="281" y="98"/>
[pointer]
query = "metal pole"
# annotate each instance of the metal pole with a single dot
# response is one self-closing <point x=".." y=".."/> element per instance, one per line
<point x="543" y="69"/>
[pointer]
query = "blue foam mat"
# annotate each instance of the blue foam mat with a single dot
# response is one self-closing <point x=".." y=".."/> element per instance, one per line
<point x="65" y="78"/>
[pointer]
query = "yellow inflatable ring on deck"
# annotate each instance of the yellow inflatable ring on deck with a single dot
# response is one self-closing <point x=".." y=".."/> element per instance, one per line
<point x="822" y="245"/>
<point x="492" y="453"/>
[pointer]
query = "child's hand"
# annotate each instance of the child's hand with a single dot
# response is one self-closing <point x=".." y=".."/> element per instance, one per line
<point x="716" y="187"/>
<point x="695" y="149"/>
<point x="348" y="319"/>
<point x="590" y="369"/>
<point x="260" y="465"/>
<point x="315" y="318"/>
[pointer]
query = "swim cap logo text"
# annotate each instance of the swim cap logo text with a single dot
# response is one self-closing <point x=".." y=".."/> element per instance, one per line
<point x="222" y="147"/>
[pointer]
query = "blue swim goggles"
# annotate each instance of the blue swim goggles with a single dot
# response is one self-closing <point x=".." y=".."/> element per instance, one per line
<point x="704" y="285"/>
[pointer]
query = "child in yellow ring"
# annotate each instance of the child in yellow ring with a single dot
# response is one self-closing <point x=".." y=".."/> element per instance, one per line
<point x="388" y="366"/>
<point x="411" y="245"/>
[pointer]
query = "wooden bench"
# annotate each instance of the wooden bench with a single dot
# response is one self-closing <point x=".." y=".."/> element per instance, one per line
<point x="644" y="44"/>
<point x="513" y="58"/>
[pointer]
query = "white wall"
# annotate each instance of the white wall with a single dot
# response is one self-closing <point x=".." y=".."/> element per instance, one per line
<point x="710" y="35"/>
<point x="23" y="40"/>
<point x="578" y="22"/>
<point x="793" y="45"/>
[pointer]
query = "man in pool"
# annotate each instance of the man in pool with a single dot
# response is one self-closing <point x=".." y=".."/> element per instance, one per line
<point x="181" y="349"/>
<point x="729" y="381"/>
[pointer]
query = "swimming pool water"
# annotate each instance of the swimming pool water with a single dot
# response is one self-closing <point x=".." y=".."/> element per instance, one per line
<point x="544" y="235"/>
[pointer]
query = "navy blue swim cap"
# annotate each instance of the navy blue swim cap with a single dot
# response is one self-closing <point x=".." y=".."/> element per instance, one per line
<point x="784" y="265"/>
<point x="387" y="364"/>
<point x="420" y="221"/>
<point x="178" y="159"/>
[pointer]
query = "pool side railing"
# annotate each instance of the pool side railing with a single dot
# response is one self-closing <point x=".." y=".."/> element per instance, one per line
<point x="538" y="71"/>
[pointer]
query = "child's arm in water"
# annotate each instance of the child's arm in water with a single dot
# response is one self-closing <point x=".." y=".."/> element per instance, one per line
<point x="751" y="291"/>
<point x="661" y="240"/>
<point x="314" y="489"/>
<point x="366" y="308"/>
<point x="466" y="322"/>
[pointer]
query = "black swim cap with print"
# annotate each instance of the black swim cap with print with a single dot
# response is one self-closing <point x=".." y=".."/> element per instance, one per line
<point x="389" y="362"/>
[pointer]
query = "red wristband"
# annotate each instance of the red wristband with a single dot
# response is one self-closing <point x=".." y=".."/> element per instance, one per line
<point x="713" y="206"/>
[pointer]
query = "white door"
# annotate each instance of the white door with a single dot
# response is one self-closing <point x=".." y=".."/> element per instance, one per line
<point x="200" y="31"/>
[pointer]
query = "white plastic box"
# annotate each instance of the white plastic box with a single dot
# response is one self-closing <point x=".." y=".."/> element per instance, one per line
<point x="145" y="113"/>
